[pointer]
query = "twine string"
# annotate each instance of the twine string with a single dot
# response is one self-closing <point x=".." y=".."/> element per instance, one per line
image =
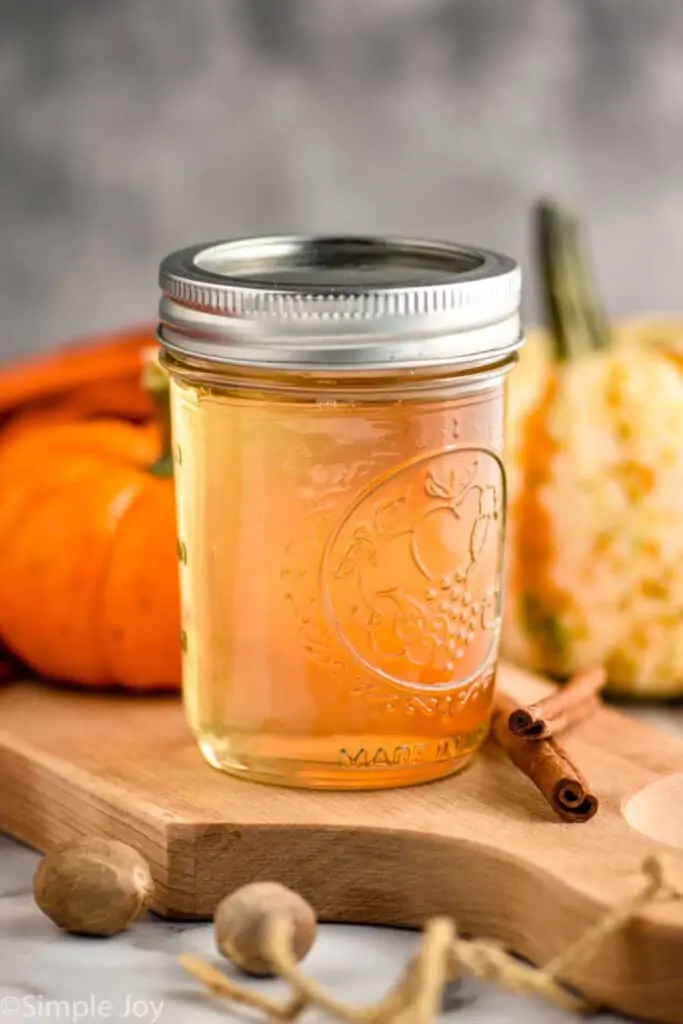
<point x="417" y="995"/>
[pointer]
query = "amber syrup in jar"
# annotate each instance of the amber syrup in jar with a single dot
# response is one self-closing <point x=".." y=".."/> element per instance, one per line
<point x="341" y="504"/>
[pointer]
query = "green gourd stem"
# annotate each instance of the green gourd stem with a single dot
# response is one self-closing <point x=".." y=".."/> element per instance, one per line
<point x="574" y="313"/>
<point x="156" y="384"/>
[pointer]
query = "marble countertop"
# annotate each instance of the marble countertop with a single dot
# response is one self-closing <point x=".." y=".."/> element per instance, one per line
<point x="46" y="975"/>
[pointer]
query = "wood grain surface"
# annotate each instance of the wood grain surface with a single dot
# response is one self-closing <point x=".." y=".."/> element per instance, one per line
<point x="481" y="846"/>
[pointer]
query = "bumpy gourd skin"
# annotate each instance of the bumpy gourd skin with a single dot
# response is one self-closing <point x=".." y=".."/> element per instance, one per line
<point x="595" y="528"/>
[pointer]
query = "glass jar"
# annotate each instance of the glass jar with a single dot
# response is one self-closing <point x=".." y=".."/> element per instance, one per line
<point x="338" y="419"/>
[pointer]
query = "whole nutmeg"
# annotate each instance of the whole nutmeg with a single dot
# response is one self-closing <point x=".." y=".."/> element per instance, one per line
<point x="241" y="924"/>
<point x="93" y="886"/>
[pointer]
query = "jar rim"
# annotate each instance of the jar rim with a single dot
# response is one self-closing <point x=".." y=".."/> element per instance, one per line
<point x="327" y="301"/>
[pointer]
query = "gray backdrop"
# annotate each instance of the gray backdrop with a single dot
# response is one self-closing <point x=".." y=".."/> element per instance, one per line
<point x="129" y="127"/>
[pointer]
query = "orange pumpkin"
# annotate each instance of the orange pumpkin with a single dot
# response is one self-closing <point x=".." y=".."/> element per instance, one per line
<point x="95" y="366"/>
<point x="87" y="380"/>
<point x="88" y="573"/>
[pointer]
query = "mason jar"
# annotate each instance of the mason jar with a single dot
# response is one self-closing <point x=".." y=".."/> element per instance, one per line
<point x="338" y="419"/>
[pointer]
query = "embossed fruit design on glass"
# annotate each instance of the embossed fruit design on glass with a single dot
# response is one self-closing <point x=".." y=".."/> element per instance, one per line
<point x="338" y="426"/>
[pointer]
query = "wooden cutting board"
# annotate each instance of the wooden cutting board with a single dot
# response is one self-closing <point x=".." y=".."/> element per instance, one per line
<point x="482" y="846"/>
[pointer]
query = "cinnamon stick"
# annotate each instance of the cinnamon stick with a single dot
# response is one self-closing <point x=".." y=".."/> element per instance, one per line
<point x="547" y="765"/>
<point x="564" y="708"/>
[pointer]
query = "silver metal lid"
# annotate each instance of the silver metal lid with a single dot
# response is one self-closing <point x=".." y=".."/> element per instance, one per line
<point x="343" y="303"/>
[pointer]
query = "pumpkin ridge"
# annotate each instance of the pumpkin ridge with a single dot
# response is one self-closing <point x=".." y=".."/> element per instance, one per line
<point x="12" y="527"/>
<point x="139" y="616"/>
<point x="121" y="505"/>
<point x="46" y="641"/>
